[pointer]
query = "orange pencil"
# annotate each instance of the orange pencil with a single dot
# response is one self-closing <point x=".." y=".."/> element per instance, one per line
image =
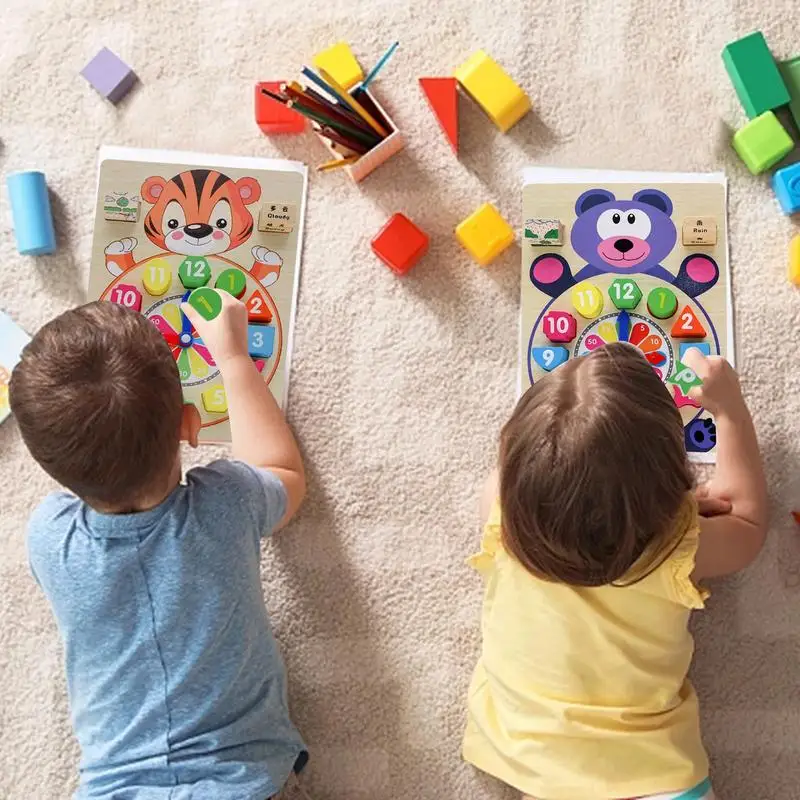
<point x="354" y="104"/>
<point x="336" y="163"/>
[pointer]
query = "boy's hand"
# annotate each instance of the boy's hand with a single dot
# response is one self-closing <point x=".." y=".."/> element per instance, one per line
<point x="720" y="392"/>
<point x="225" y="335"/>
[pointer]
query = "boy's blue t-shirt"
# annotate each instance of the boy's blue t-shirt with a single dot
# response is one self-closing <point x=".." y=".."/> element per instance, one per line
<point x="176" y="686"/>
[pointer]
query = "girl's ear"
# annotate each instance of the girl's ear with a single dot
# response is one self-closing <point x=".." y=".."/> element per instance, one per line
<point x="190" y="424"/>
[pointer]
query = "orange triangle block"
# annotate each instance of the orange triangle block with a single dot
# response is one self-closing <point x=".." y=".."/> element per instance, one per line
<point x="442" y="96"/>
<point x="687" y="326"/>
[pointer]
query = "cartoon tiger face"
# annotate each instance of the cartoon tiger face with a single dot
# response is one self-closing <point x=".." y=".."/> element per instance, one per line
<point x="199" y="212"/>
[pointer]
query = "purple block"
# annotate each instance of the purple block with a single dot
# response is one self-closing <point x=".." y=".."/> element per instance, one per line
<point x="110" y="75"/>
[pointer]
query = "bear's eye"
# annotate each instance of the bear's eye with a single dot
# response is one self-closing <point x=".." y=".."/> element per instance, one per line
<point x="222" y="223"/>
<point x="616" y="218"/>
<point x="631" y="219"/>
<point x="173" y="223"/>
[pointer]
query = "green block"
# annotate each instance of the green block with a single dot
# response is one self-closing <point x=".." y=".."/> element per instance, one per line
<point x="232" y="281"/>
<point x="755" y="75"/>
<point x="762" y="143"/>
<point x="684" y="378"/>
<point x="790" y="70"/>
<point x="625" y="293"/>
<point x="662" y="303"/>
<point x="206" y="302"/>
<point x="194" y="272"/>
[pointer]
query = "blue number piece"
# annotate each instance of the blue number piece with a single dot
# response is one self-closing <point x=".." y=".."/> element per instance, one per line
<point x="623" y="326"/>
<point x="548" y="358"/>
<point x="703" y="347"/>
<point x="260" y="340"/>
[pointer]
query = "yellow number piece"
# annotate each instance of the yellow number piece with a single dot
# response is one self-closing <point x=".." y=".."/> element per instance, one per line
<point x="157" y="277"/>
<point x="607" y="331"/>
<point x="215" y="400"/>
<point x="587" y="299"/>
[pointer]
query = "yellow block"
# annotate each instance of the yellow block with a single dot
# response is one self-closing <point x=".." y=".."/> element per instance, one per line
<point x="485" y="234"/>
<point x="794" y="260"/>
<point x="587" y="299"/>
<point x="340" y="63"/>
<point x="214" y="399"/>
<point x="157" y="277"/>
<point x="490" y="86"/>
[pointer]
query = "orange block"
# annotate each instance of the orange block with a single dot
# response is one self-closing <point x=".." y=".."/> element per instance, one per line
<point x="687" y="326"/>
<point x="400" y="244"/>
<point x="257" y="309"/>
<point x="442" y="96"/>
<point x="274" y="117"/>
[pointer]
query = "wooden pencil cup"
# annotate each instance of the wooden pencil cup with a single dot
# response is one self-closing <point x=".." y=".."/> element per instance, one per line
<point x="381" y="152"/>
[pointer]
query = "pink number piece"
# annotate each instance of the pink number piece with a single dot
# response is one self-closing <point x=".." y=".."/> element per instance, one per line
<point x="165" y="329"/>
<point x="593" y="342"/>
<point x="203" y="352"/>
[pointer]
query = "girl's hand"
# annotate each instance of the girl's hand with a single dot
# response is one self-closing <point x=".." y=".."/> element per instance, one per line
<point x="720" y="392"/>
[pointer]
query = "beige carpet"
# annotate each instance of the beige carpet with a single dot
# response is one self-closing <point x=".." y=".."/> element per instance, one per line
<point x="399" y="386"/>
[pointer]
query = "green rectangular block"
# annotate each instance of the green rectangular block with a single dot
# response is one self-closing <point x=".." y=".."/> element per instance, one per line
<point x="762" y="142"/>
<point x="790" y="70"/>
<point x="755" y="75"/>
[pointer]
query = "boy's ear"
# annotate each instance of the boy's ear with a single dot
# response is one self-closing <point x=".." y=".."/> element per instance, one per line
<point x="190" y="424"/>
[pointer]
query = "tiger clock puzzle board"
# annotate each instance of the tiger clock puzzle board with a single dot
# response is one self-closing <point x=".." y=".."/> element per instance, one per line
<point x="169" y="222"/>
<point x="627" y="256"/>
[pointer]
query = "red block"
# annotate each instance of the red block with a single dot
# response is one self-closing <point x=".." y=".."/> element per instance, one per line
<point x="274" y="117"/>
<point x="442" y="96"/>
<point x="687" y="326"/>
<point x="400" y="244"/>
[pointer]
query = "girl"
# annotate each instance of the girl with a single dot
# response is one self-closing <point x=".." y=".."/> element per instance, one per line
<point x="592" y="554"/>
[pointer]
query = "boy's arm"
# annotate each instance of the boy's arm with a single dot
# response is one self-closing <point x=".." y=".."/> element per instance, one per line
<point x="729" y="542"/>
<point x="259" y="432"/>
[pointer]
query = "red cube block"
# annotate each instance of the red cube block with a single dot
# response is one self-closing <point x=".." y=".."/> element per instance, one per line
<point x="274" y="117"/>
<point x="400" y="244"/>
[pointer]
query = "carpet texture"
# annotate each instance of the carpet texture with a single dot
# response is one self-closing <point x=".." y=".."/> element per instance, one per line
<point x="399" y="387"/>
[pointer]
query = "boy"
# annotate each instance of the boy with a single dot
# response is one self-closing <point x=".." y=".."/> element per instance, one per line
<point x="176" y="686"/>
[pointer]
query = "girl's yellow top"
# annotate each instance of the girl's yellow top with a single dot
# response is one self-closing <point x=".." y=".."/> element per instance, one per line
<point x="581" y="693"/>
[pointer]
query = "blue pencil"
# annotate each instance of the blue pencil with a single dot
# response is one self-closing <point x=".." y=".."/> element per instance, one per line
<point x="312" y="76"/>
<point x="379" y="66"/>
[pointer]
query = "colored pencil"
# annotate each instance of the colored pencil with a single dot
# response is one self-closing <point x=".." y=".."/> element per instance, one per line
<point x="350" y="144"/>
<point x="322" y="119"/>
<point x="344" y="110"/>
<point x="336" y="163"/>
<point x="274" y="96"/>
<point x="379" y="66"/>
<point x="354" y="104"/>
<point x="314" y="78"/>
<point x="326" y="108"/>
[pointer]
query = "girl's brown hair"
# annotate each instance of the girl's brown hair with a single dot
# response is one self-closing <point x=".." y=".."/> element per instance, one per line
<point x="593" y="470"/>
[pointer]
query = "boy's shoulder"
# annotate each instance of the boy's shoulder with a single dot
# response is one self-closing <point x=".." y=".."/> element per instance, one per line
<point x="53" y="511"/>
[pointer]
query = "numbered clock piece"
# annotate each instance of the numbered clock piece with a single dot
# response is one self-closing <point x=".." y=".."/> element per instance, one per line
<point x="560" y="326"/>
<point x="684" y="378"/>
<point x="232" y="281"/>
<point x="206" y="302"/>
<point x="687" y="326"/>
<point x="548" y="358"/>
<point x="194" y="272"/>
<point x="257" y="309"/>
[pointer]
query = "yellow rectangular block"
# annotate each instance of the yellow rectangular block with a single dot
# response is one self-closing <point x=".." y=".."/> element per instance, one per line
<point x="794" y="260"/>
<point x="340" y="63"/>
<point x="490" y="86"/>
<point x="699" y="231"/>
<point x="485" y="234"/>
<point x="215" y="401"/>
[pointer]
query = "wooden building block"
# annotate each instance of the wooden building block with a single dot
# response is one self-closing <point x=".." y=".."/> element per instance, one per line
<point x="118" y="207"/>
<point x="794" y="260"/>
<point x="790" y="72"/>
<point x="257" y="309"/>
<point x="215" y="401"/>
<point x="587" y="299"/>
<point x="786" y="184"/>
<point x="274" y="117"/>
<point x="442" y="97"/>
<point x="490" y="86"/>
<point x="755" y="75"/>
<point x="400" y="244"/>
<point x="762" y="143"/>
<point x="485" y="234"/>
<point x="194" y="272"/>
<point x="548" y="358"/>
<point x="684" y="378"/>
<point x="206" y="302"/>
<point x="260" y="340"/>
<point x="703" y="347"/>
<point x="625" y="293"/>
<point x="662" y="302"/>
<point x="688" y="326"/>
<point x="340" y="63"/>
<point x="127" y="295"/>
<point x="232" y="281"/>
<point x="110" y="75"/>
<point x="560" y="326"/>
<point x="157" y="277"/>
<point x="698" y="230"/>
<point x="277" y="217"/>
<point x="544" y="232"/>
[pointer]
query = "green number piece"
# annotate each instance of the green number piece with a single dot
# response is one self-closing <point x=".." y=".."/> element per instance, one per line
<point x="232" y="281"/>
<point x="684" y="377"/>
<point x="194" y="272"/>
<point x="625" y="293"/>
<point x="662" y="303"/>
<point x="206" y="302"/>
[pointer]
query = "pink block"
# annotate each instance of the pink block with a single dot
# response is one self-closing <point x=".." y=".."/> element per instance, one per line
<point x="560" y="326"/>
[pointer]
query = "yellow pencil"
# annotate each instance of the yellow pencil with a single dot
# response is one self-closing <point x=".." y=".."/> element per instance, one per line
<point x="354" y="104"/>
<point x="336" y="163"/>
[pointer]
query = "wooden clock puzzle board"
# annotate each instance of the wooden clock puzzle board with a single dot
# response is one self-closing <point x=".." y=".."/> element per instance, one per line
<point x="697" y="275"/>
<point x="167" y="221"/>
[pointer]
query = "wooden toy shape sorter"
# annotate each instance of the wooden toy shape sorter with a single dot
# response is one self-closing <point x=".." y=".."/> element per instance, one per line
<point x="169" y="222"/>
<point x="621" y="271"/>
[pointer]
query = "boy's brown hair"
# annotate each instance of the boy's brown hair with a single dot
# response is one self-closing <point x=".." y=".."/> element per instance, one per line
<point x="593" y="470"/>
<point x="98" y="400"/>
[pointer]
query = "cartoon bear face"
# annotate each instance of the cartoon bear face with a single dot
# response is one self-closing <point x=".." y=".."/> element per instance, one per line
<point x="623" y="235"/>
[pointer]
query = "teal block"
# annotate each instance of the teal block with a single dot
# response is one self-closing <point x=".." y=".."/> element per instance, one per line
<point x="703" y="347"/>
<point x="548" y="358"/>
<point x="790" y="70"/>
<point x="762" y="143"/>
<point x="755" y="75"/>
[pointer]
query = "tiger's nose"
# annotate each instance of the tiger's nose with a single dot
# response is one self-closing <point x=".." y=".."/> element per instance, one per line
<point x="623" y="245"/>
<point x="199" y="230"/>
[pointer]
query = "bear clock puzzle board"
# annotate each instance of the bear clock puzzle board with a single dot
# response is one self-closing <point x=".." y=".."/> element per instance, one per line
<point x="168" y="222"/>
<point x="627" y="256"/>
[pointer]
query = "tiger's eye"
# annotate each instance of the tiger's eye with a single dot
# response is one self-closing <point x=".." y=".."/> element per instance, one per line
<point x="173" y="223"/>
